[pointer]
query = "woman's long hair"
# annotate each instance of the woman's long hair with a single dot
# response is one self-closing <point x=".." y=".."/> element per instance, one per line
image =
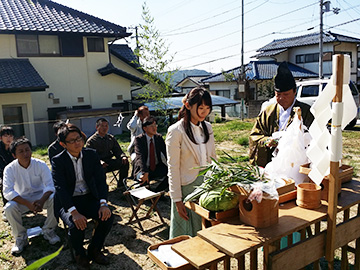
<point x="197" y="96"/>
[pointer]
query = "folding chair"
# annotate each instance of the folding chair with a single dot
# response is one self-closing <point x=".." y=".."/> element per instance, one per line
<point x="72" y="252"/>
<point x="142" y="194"/>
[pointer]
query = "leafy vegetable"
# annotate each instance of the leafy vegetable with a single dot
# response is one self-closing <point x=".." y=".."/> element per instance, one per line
<point x="214" y="201"/>
<point x="221" y="176"/>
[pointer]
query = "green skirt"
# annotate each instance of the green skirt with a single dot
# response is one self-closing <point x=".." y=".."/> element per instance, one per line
<point x="180" y="226"/>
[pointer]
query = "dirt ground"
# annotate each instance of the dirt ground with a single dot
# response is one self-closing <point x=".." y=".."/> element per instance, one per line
<point x="126" y="244"/>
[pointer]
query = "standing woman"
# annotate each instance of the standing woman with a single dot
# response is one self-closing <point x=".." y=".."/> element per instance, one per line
<point x="190" y="143"/>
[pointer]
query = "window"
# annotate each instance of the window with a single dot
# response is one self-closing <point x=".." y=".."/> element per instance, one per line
<point x="13" y="115"/>
<point x="311" y="57"/>
<point x="37" y="45"/>
<point x="300" y="58"/>
<point x="310" y="91"/>
<point x="223" y="93"/>
<point x="95" y="44"/>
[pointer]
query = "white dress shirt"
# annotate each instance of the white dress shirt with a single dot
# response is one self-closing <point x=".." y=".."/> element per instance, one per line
<point x="284" y="116"/>
<point x="30" y="183"/>
<point x="199" y="137"/>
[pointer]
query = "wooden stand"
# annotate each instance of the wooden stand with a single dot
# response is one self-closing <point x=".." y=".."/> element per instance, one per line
<point x="210" y="218"/>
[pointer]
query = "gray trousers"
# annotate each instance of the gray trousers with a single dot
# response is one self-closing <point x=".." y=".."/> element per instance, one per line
<point x="14" y="211"/>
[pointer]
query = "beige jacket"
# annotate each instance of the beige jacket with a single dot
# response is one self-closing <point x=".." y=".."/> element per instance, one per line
<point x="183" y="158"/>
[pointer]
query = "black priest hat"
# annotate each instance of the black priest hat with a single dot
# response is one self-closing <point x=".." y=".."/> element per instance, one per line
<point x="284" y="80"/>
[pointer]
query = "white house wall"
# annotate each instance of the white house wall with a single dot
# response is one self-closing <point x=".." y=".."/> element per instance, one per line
<point x="70" y="78"/>
<point x="25" y="101"/>
<point x="327" y="65"/>
<point x="232" y="86"/>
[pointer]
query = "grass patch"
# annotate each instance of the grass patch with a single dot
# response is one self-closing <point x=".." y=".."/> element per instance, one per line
<point x="244" y="141"/>
<point x="40" y="151"/>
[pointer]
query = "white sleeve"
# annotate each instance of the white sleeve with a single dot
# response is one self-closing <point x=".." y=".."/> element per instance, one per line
<point x="9" y="184"/>
<point x="173" y="148"/>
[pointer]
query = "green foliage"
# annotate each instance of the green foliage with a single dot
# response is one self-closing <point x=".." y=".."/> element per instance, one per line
<point x="244" y="141"/>
<point x="41" y="151"/>
<point x="218" y="119"/>
<point x="266" y="90"/>
<point x="37" y="264"/>
<point x="154" y="60"/>
<point x="220" y="175"/>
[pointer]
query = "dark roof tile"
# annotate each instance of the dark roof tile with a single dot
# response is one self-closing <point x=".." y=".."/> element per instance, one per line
<point x="111" y="69"/>
<point x="262" y="70"/>
<point x="305" y="40"/>
<point x="124" y="53"/>
<point x="19" y="75"/>
<point x="50" y="17"/>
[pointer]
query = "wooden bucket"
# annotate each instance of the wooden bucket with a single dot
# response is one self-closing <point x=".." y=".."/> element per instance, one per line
<point x="259" y="215"/>
<point x="308" y="195"/>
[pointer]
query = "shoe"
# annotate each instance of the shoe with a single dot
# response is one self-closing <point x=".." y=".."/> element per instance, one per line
<point x="97" y="256"/>
<point x="4" y="218"/>
<point x="51" y="236"/>
<point x="19" y="246"/>
<point x="82" y="262"/>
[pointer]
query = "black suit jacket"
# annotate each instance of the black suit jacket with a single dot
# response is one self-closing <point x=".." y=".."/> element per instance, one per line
<point x="141" y="150"/>
<point x="63" y="173"/>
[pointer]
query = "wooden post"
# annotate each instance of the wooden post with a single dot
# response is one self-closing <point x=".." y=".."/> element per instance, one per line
<point x="334" y="176"/>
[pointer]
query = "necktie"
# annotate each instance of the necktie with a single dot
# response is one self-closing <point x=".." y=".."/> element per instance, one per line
<point x="152" y="156"/>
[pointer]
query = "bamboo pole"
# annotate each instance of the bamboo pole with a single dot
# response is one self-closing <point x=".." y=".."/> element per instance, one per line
<point x="334" y="173"/>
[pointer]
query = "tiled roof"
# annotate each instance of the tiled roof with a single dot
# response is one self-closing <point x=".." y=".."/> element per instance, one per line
<point x="124" y="53"/>
<point x="44" y="16"/>
<point x="270" y="53"/>
<point x="171" y="103"/>
<point x="262" y="70"/>
<point x="111" y="69"/>
<point x="18" y="75"/>
<point x="305" y="40"/>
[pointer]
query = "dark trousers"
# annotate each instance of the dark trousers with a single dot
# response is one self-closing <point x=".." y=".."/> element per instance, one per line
<point x="88" y="206"/>
<point x="160" y="177"/>
<point x="2" y="194"/>
<point x="116" y="164"/>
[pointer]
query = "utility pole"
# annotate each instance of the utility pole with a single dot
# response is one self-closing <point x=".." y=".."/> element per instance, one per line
<point x="137" y="44"/>
<point x="324" y="7"/>
<point x="242" y="75"/>
<point x="321" y="41"/>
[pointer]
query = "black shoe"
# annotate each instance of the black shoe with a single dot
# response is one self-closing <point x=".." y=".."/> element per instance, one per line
<point x="82" y="262"/>
<point x="97" y="256"/>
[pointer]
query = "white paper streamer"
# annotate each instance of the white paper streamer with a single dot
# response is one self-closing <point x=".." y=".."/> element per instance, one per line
<point x="325" y="146"/>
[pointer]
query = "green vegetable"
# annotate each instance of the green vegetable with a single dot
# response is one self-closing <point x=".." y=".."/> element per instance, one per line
<point x="215" y="200"/>
<point x="224" y="175"/>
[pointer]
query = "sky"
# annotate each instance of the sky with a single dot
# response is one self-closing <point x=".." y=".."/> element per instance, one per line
<point x="206" y="34"/>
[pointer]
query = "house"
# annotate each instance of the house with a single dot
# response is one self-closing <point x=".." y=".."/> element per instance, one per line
<point x="259" y="75"/>
<point x="304" y="51"/>
<point x="189" y="82"/>
<point x="55" y="63"/>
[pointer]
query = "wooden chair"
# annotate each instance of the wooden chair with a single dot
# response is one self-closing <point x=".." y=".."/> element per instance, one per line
<point x="142" y="194"/>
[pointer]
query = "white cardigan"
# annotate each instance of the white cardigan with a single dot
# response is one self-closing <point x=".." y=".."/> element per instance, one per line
<point x="183" y="157"/>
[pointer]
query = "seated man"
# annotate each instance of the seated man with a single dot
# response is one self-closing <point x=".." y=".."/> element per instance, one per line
<point x="81" y="193"/>
<point x="150" y="162"/>
<point x="28" y="185"/>
<point x="107" y="147"/>
<point x="55" y="147"/>
<point x="6" y="138"/>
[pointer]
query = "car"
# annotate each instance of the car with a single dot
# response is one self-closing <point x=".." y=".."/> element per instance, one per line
<point x="307" y="92"/>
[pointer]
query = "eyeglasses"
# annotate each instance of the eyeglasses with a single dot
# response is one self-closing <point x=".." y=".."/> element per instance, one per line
<point x="78" y="139"/>
<point x="153" y="125"/>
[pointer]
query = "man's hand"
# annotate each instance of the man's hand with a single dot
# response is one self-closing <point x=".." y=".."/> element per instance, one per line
<point x="104" y="213"/>
<point x="144" y="178"/>
<point x="38" y="205"/>
<point x="180" y="207"/>
<point x="271" y="142"/>
<point x="79" y="220"/>
<point x="103" y="164"/>
<point x="124" y="160"/>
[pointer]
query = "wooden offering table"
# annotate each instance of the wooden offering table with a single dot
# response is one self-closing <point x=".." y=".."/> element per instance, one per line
<point x="236" y="239"/>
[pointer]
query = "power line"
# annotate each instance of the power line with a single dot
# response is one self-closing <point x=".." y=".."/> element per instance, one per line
<point x="203" y="28"/>
<point x="214" y="60"/>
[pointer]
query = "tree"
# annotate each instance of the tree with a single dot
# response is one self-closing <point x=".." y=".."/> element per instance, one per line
<point x="153" y="54"/>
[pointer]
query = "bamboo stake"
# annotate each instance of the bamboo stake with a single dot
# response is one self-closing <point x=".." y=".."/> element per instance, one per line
<point x="334" y="175"/>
